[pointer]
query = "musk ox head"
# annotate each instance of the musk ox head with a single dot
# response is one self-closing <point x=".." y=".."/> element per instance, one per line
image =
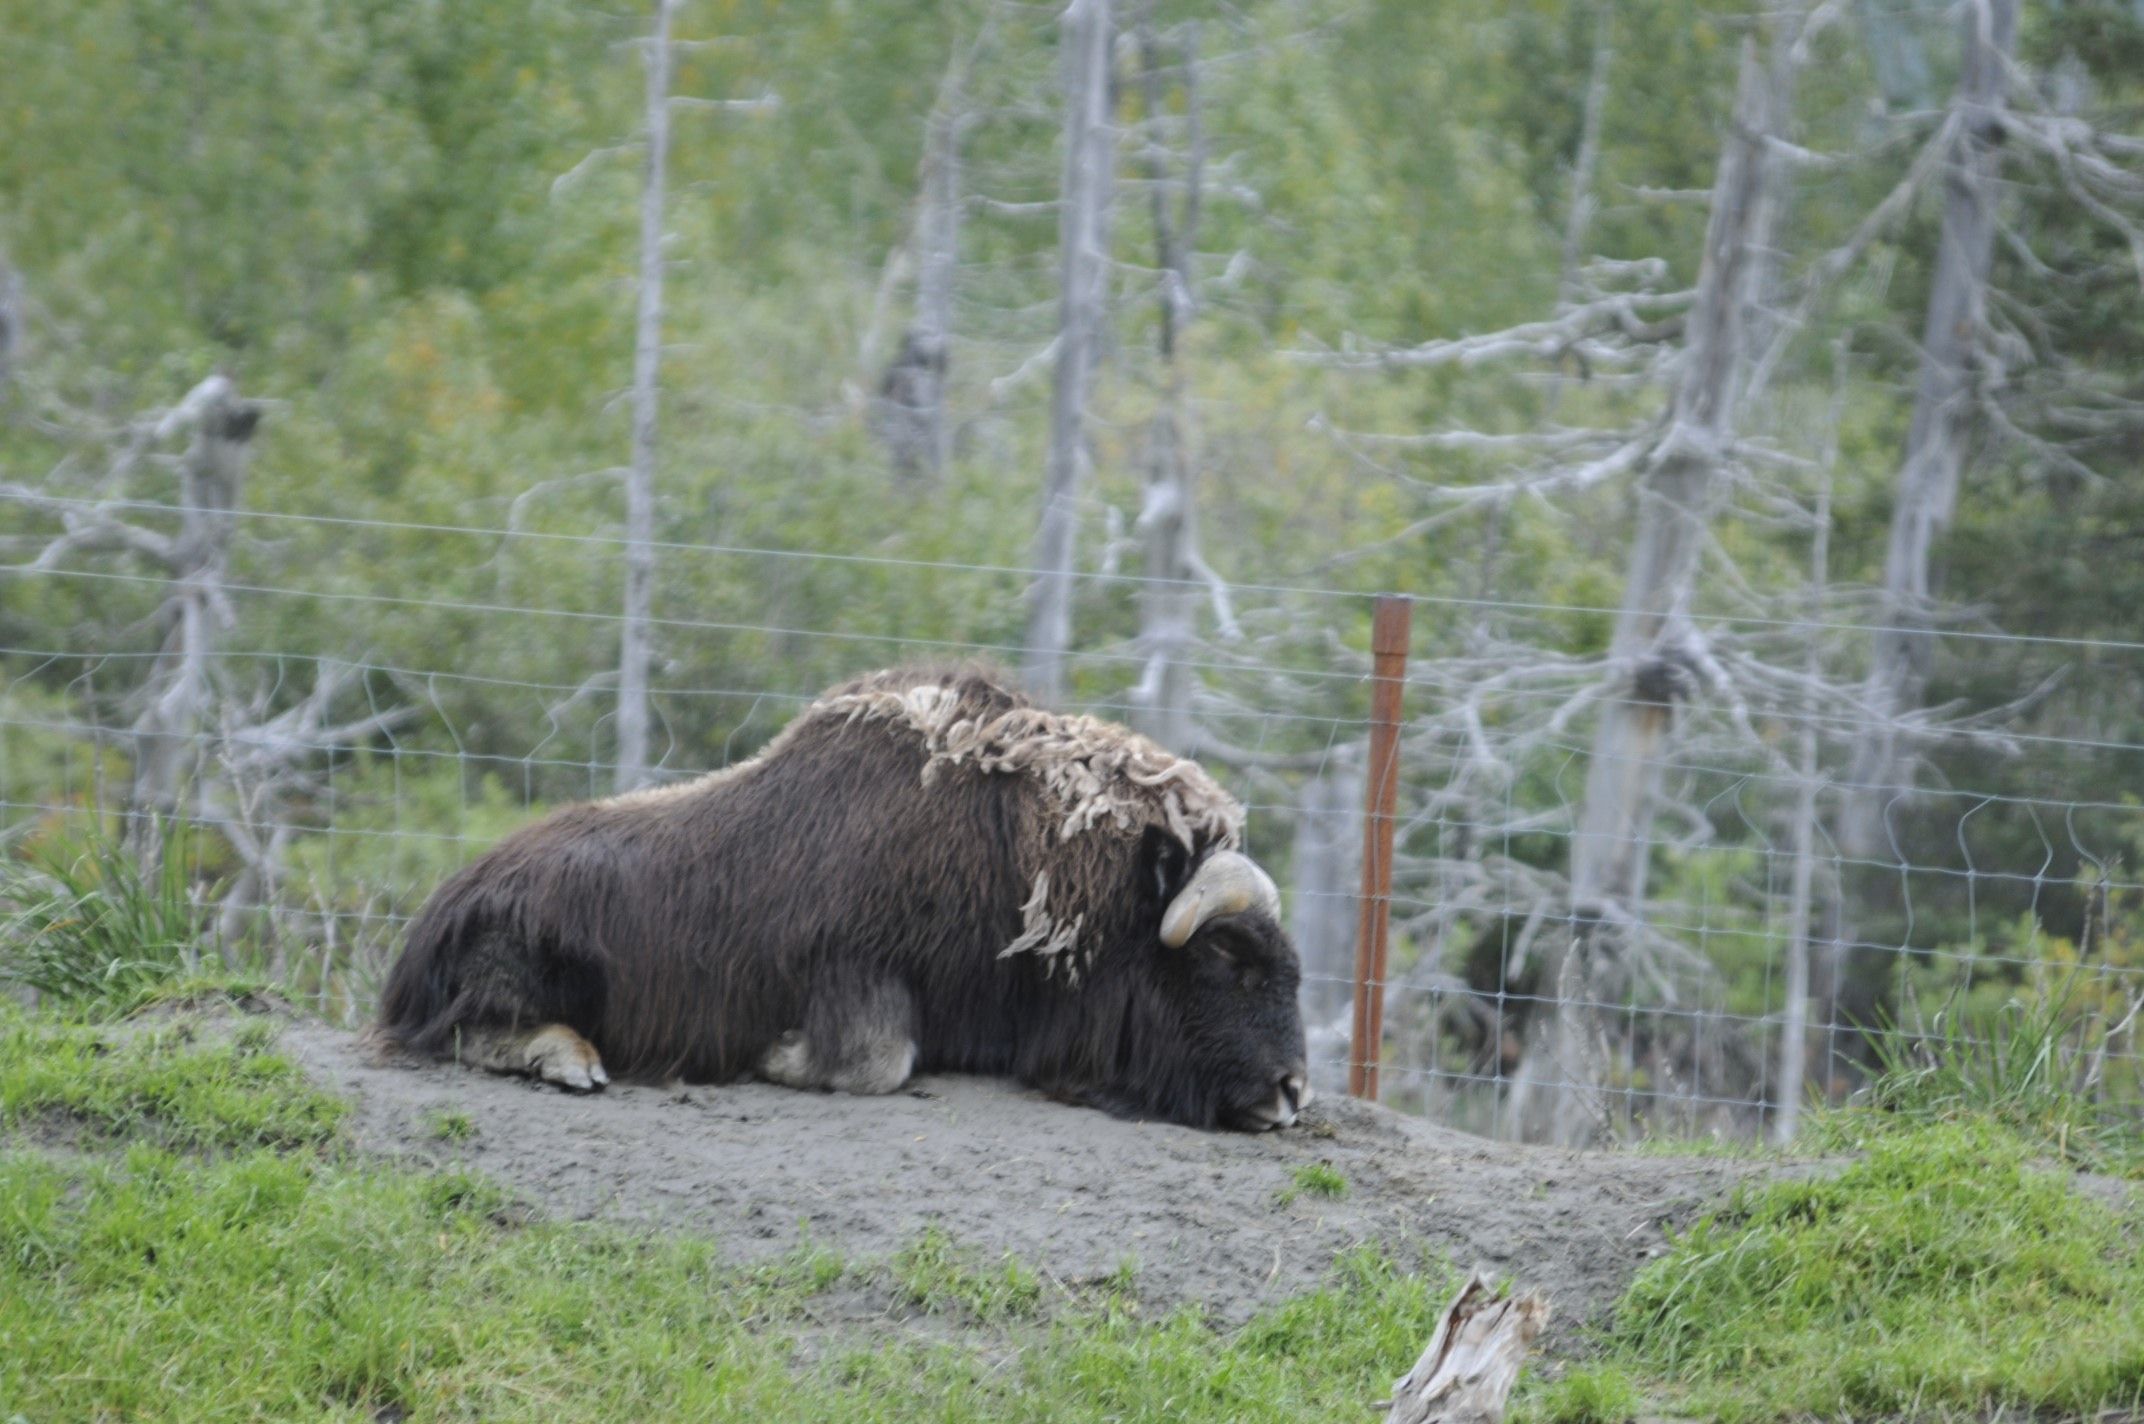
<point x="1228" y="969"/>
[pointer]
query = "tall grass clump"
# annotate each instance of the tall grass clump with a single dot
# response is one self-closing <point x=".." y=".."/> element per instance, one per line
<point x="84" y="922"/>
<point x="2038" y="1065"/>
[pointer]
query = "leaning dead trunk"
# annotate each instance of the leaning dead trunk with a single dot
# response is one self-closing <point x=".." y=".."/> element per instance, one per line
<point x="1935" y="452"/>
<point x="634" y="638"/>
<point x="1082" y="236"/>
<point x="1655" y="648"/>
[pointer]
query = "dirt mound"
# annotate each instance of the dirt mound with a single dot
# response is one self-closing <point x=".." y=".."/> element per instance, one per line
<point x="1208" y="1217"/>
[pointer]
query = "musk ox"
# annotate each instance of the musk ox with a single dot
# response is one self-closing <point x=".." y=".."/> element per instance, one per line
<point x="922" y="873"/>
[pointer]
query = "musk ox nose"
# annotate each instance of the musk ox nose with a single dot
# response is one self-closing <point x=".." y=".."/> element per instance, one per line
<point x="1290" y="1092"/>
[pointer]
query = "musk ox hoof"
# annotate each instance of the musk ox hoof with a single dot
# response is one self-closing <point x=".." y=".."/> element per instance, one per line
<point x="558" y="1055"/>
<point x="788" y="1061"/>
<point x="872" y="1063"/>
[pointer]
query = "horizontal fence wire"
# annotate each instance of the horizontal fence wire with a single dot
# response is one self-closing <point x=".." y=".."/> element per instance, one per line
<point x="617" y="543"/>
<point x="2002" y="884"/>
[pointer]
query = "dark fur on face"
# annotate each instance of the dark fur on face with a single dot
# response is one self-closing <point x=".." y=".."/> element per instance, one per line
<point x="921" y="857"/>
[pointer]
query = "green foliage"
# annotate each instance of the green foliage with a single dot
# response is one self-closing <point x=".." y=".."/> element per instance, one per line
<point x="1944" y="1271"/>
<point x="82" y="921"/>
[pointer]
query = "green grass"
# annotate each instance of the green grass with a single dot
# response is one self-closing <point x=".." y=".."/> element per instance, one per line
<point x="204" y="1250"/>
<point x="184" y="1235"/>
<point x="1317" y="1179"/>
<point x="1596" y="1394"/>
<point x="266" y="1285"/>
<point x="936" y="1274"/>
<point x="1947" y="1273"/>
<point x="157" y="1082"/>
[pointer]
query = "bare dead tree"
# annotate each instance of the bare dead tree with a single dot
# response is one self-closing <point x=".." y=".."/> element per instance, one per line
<point x="1586" y="162"/>
<point x="176" y="697"/>
<point x="1325" y="876"/>
<point x="635" y="640"/>
<point x="262" y="764"/>
<point x="1500" y="705"/>
<point x="910" y="414"/>
<point x="1943" y="415"/>
<point x="1656" y="652"/>
<point x="634" y="633"/>
<point x="200" y="750"/>
<point x="1794" y="1017"/>
<point x="1089" y="34"/>
<point x="10" y="320"/>
<point x="1168" y="515"/>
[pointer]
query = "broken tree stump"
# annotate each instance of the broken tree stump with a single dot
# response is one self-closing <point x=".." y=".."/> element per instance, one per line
<point x="1473" y="1359"/>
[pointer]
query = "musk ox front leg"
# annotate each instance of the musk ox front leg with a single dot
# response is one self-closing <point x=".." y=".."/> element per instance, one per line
<point x="858" y="1037"/>
<point x="551" y="1052"/>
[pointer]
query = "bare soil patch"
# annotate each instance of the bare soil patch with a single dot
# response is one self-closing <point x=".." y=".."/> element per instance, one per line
<point x="1206" y="1216"/>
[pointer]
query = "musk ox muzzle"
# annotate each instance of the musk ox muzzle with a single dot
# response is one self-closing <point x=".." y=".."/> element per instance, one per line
<point x="922" y="873"/>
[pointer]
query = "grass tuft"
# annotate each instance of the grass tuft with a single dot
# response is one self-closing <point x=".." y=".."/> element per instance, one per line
<point x="1317" y="1179"/>
<point x="2035" y="1065"/>
<point x="937" y="1275"/>
<point x="84" y="923"/>
<point x="453" y="1126"/>
<point x="1600" y="1394"/>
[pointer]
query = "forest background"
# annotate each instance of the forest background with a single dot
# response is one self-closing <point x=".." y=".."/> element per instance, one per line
<point x="1750" y="398"/>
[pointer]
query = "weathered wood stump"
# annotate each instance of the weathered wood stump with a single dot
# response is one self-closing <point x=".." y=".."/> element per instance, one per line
<point x="1473" y="1359"/>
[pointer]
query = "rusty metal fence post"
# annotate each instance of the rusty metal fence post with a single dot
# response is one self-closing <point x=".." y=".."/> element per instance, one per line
<point x="1380" y="803"/>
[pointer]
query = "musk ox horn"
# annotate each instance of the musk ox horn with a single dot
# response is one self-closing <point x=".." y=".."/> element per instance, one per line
<point x="1224" y="885"/>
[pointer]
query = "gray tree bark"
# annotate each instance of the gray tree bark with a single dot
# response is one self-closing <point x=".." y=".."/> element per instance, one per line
<point x="10" y="321"/>
<point x="1168" y="514"/>
<point x="635" y="641"/>
<point x="178" y="695"/>
<point x="1655" y="649"/>
<point x="1935" y="453"/>
<point x="1326" y="866"/>
<point x="912" y="394"/>
<point x="1082" y="235"/>
<point x="1585" y="164"/>
<point x="1794" y="1018"/>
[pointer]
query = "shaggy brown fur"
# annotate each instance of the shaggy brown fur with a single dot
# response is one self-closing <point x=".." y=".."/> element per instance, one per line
<point x="921" y="872"/>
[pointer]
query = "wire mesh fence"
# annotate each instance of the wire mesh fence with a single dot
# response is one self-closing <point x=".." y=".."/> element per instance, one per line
<point x="1765" y="955"/>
